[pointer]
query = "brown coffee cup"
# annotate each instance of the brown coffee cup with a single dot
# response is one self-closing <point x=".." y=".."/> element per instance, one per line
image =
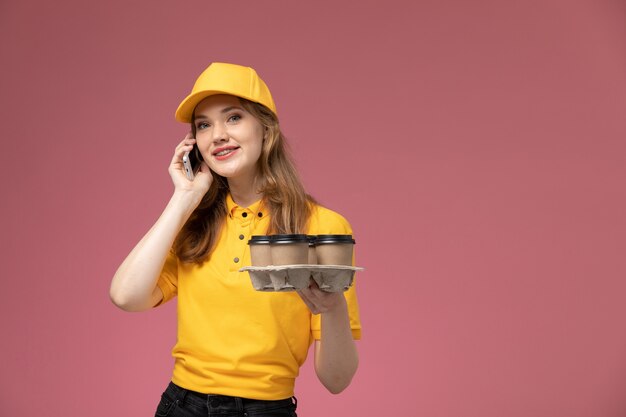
<point x="260" y="251"/>
<point x="312" y="260"/>
<point x="289" y="249"/>
<point x="334" y="249"/>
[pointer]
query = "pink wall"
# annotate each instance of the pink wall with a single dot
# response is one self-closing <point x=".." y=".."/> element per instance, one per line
<point x="477" y="148"/>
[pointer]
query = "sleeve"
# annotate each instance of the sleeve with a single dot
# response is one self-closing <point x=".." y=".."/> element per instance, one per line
<point x="168" y="279"/>
<point x="327" y="222"/>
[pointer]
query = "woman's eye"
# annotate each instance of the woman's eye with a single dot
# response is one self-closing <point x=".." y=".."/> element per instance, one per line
<point x="202" y="126"/>
<point x="234" y="118"/>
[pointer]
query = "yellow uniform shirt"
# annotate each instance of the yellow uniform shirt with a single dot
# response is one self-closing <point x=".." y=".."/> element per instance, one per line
<point x="233" y="340"/>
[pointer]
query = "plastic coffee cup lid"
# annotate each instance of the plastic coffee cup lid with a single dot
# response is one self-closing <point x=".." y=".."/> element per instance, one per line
<point x="295" y="238"/>
<point x="322" y="239"/>
<point x="259" y="240"/>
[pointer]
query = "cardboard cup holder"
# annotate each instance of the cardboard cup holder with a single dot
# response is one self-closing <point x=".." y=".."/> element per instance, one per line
<point x="330" y="278"/>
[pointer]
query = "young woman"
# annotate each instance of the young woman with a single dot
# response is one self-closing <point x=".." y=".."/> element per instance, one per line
<point x="238" y="350"/>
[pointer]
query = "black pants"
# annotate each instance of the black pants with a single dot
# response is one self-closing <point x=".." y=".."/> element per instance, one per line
<point x="179" y="402"/>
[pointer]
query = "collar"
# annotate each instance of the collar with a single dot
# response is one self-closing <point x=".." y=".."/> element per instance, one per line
<point x="234" y="210"/>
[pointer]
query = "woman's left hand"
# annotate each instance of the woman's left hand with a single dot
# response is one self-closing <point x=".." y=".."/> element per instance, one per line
<point x="319" y="301"/>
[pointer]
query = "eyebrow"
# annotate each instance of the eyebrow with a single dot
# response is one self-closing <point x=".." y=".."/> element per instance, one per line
<point x="224" y="110"/>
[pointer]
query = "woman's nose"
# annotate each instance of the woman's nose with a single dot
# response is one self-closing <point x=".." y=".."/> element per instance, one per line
<point x="219" y="133"/>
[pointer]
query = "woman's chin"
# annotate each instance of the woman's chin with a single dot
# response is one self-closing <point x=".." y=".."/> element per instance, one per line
<point x="229" y="174"/>
<point x="223" y="171"/>
<point x="233" y="172"/>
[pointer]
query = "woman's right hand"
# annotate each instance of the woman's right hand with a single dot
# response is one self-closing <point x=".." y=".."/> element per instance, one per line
<point x="202" y="179"/>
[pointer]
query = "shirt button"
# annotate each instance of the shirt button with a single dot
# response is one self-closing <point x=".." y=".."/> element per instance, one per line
<point x="236" y="260"/>
<point x="260" y="214"/>
<point x="244" y="214"/>
<point x="241" y="237"/>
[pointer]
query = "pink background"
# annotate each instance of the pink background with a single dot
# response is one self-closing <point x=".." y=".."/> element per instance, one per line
<point x="476" y="147"/>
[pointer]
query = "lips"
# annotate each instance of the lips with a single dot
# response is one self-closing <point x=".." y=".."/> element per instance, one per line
<point x="224" y="152"/>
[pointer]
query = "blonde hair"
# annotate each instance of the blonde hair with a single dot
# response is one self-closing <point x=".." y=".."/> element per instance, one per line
<point x="289" y="206"/>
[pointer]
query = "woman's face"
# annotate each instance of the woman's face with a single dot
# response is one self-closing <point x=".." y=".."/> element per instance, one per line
<point x="229" y="138"/>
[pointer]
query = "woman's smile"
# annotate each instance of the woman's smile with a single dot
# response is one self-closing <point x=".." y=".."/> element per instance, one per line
<point x="225" y="152"/>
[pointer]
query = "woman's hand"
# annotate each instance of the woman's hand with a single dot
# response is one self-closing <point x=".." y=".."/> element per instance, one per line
<point x="202" y="179"/>
<point x="320" y="302"/>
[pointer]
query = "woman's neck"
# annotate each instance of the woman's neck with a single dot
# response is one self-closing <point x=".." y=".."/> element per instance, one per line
<point x="244" y="191"/>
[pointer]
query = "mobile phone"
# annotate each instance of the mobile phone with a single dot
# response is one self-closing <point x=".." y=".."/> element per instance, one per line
<point x="187" y="166"/>
<point x="191" y="163"/>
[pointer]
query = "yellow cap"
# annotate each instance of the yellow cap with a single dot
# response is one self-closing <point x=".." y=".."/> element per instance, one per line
<point x="222" y="78"/>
